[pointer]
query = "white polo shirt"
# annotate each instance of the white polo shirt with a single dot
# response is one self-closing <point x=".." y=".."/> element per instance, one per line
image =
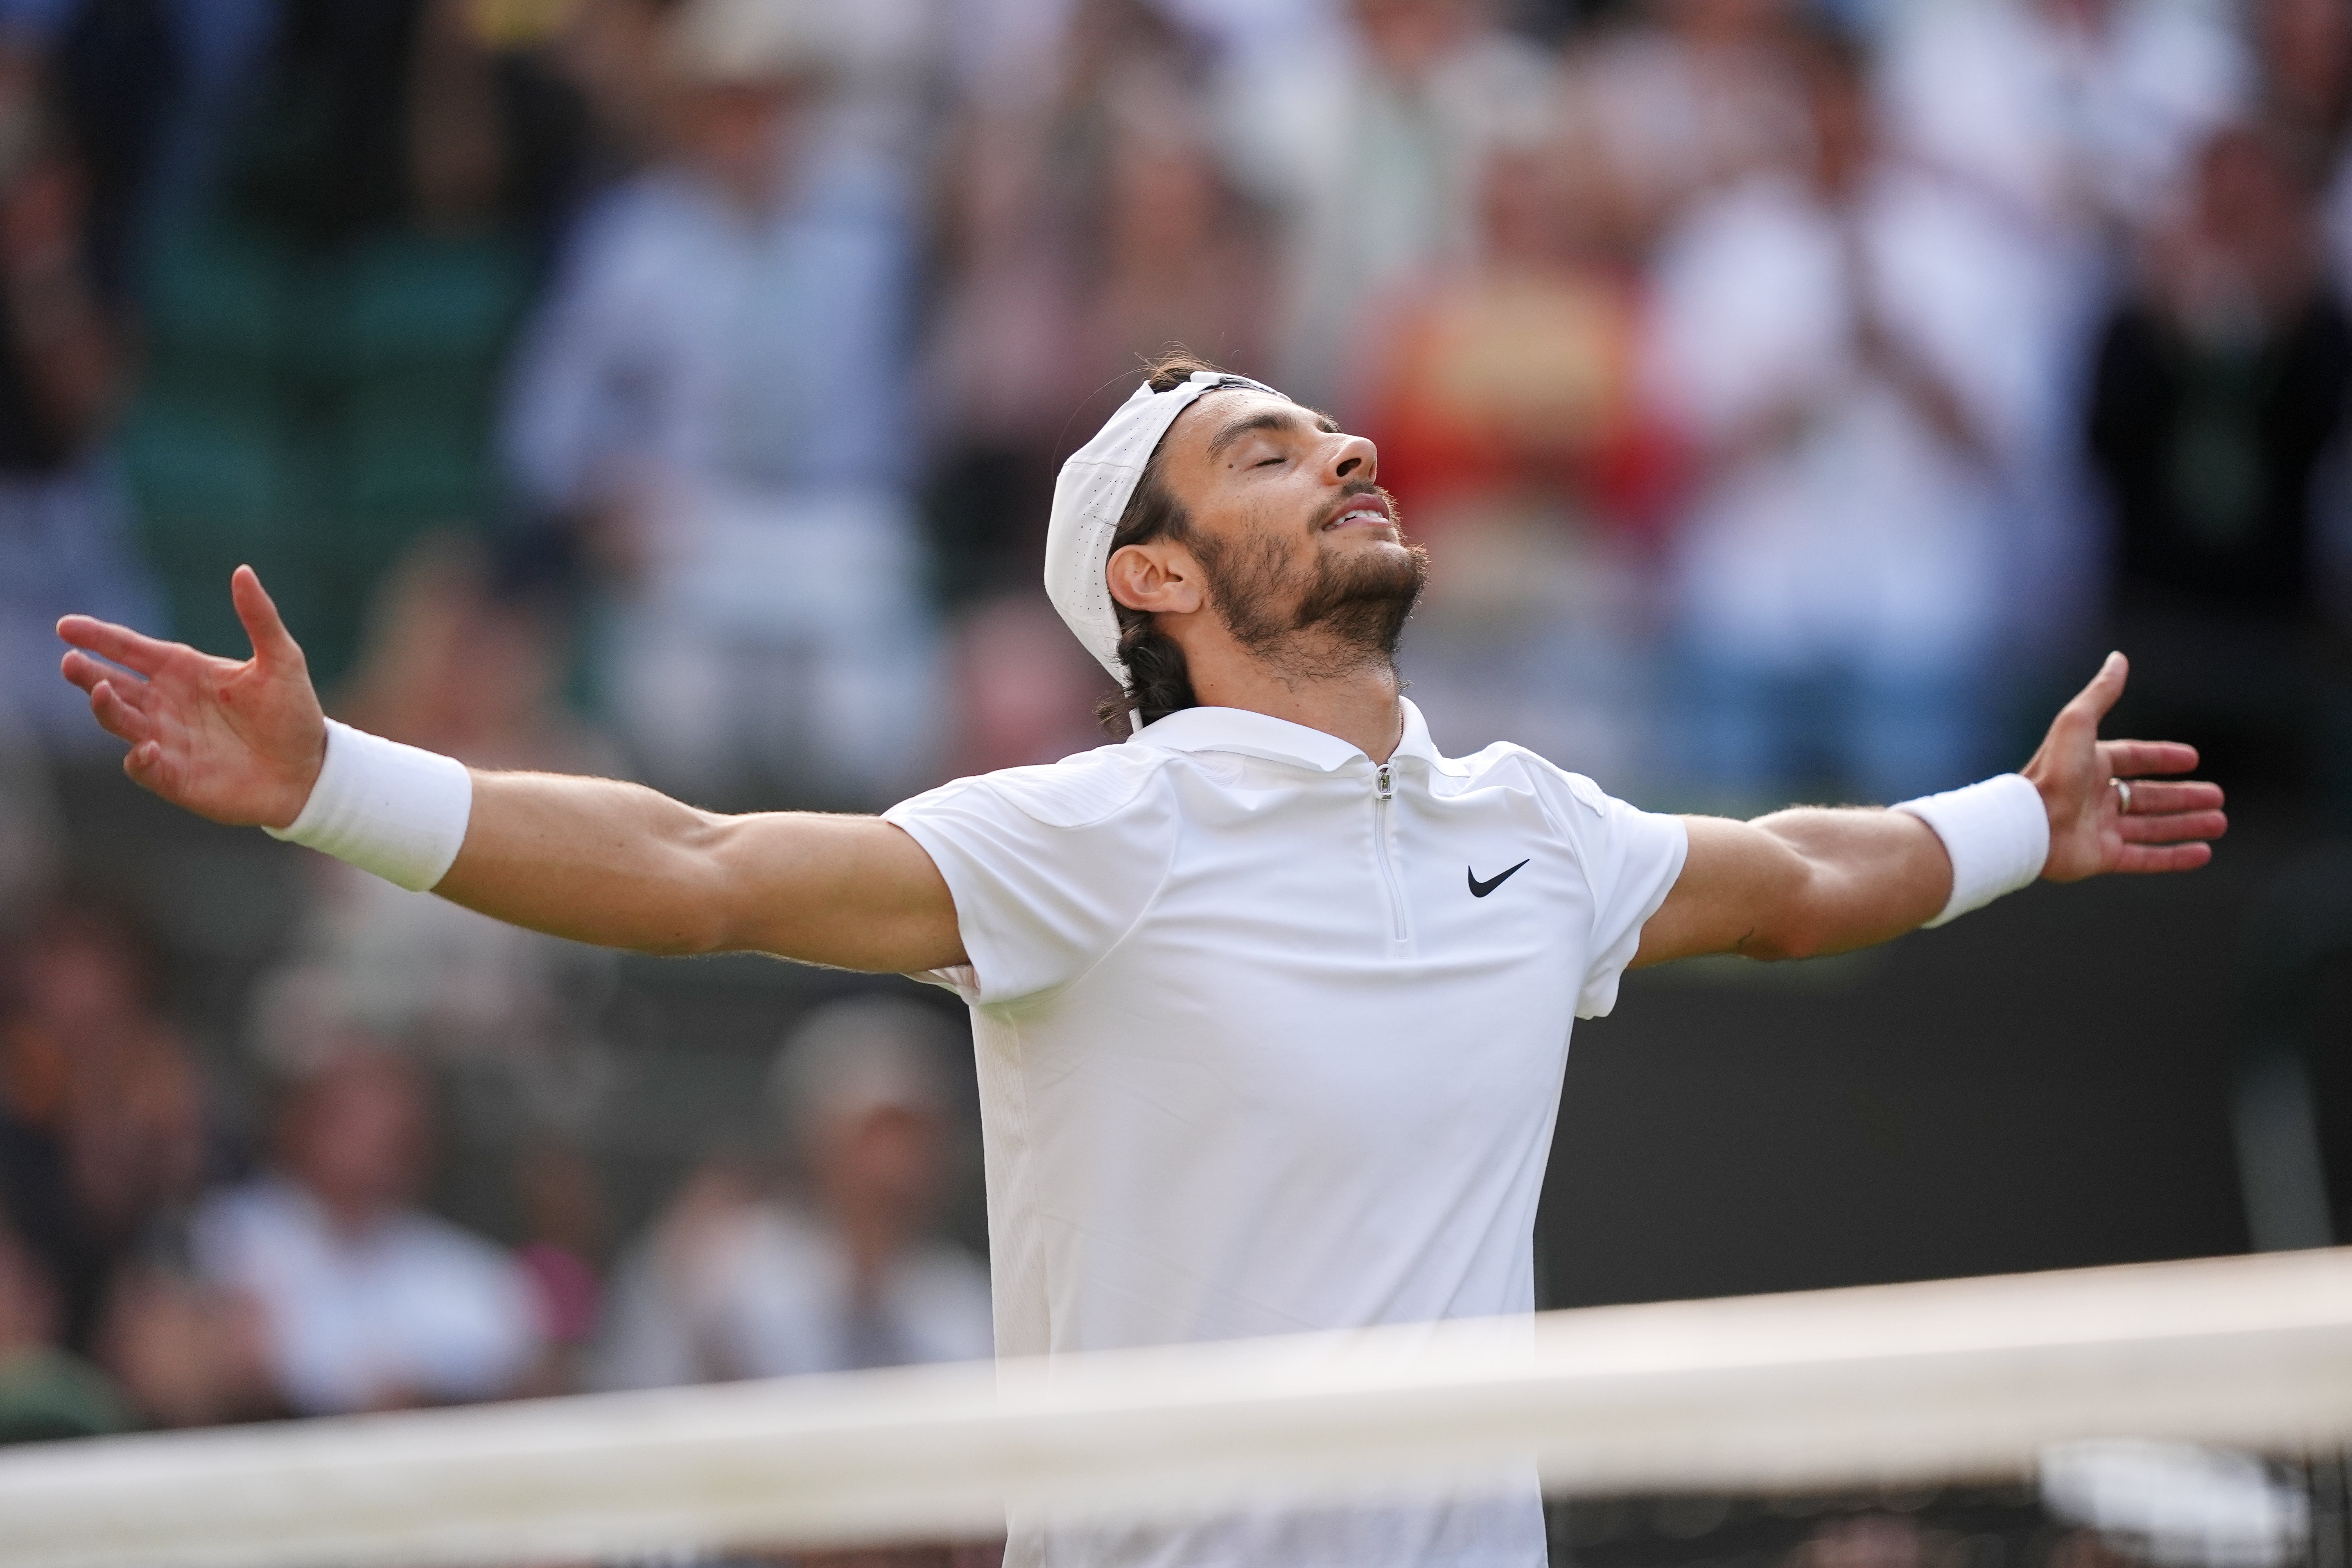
<point x="1270" y="1037"/>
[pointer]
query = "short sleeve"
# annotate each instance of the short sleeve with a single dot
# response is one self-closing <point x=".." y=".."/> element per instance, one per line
<point x="1049" y="867"/>
<point x="1631" y="858"/>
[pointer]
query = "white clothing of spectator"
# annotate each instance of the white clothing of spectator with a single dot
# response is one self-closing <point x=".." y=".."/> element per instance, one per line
<point x="765" y="1292"/>
<point x="1367" y="145"/>
<point x="1693" y="99"/>
<point x="367" y="1302"/>
<point x="2071" y="112"/>
<point x="1862" y="355"/>
<point x="2076" y="122"/>
<point x="844" y="1275"/>
<point x="718" y="389"/>
<point x="64" y="541"/>
<point x="414" y="1310"/>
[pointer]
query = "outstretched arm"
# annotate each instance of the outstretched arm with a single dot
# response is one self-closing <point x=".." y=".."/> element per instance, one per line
<point x="1812" y="881"/>
<point x="242" y="741"/>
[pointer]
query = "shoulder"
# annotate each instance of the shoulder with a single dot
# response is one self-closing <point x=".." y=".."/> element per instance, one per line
<point x="1083" y="790"/>
<point x="232" y="1226"/>
<point x="855" y="185"/>
<point x="775" y="1241"/>
<point x="450" y="1255"/>
<point x="635" y="226"/>
<point x="1505" y="765"/>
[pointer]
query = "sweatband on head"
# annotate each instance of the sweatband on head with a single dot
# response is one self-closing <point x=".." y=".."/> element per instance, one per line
<point x="1997" y="834"/>
<point x="1090" y="495"/>
<point x="397" y="811"/>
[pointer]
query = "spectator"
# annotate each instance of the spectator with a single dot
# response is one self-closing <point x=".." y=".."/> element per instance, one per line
<point x="465" y="654"/>
<point x="102" y="1124"/>
<point x="186" y="1352"/>
<point x="563" y="1228"/>
<point x="63" y="526"/>
<point x="735" y="1285"/>
<point x="1511" y="422"/>
<point x="327" y="315"/>
<point x="1081" y="229"/>
<point x="1846" y="348"/>
<point x="466" y="660"/>
<point x="46" y="1392"/>
<point x="1697" y="96"/>
<point x="2073" y="123"/>
<point x="32" y="849"/>
<point x="2078" y="117"/>
<point x="2221" y="387"/>
<point x="716" y="396"/>
<point x="1024" y="690"/>
<point x="1367" y="149"/>
<point x="153" y="92"/>
<point x="369" y="1302"/>
<point x="2305" y="48"/>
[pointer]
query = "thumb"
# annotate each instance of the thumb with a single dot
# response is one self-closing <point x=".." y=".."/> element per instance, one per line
<point x="2094" y="700"/>
<point x="273" y="645"/>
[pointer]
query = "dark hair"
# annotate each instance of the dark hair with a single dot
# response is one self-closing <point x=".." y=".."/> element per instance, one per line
<point x="1158" y="684"/>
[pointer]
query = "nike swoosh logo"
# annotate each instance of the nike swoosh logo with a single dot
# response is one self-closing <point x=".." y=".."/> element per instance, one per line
<point x="1480" y="889"/>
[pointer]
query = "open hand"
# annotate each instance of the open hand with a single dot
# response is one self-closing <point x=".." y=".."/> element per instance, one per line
<point x="2087" y="785"/>
<point x="239" y="741"/>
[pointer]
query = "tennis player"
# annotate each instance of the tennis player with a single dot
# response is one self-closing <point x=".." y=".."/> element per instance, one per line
<point x="1271" y="1001"/>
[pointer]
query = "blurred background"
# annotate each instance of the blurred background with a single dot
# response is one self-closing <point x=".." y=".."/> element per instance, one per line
<point x="1797" y="398"/>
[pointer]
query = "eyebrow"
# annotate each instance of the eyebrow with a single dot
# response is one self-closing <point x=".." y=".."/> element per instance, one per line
<point x="1265" y="419"/>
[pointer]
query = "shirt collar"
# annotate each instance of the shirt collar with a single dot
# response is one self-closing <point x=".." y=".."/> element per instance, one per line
<point x="1264" y="736"/>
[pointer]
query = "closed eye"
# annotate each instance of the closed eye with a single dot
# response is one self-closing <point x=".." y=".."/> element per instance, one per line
<point x="1263" y="461"/>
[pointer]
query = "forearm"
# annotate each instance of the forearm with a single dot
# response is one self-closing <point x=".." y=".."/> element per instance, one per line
<point x="1810" y="882"/>
<point x="596" y="860"/>
<point x="1859" y="877"/>
<point x="621" y="866"/>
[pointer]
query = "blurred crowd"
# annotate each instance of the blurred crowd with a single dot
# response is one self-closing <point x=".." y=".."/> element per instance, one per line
<point x="1793" y="396"/>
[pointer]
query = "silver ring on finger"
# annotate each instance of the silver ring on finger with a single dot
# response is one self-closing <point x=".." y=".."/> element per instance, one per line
<point x="2122" y="790"/>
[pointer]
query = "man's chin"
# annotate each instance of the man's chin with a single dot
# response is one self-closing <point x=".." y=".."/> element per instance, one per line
<point x="1364" y="593"/>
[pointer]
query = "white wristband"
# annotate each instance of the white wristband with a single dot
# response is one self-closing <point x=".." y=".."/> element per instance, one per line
<point x="1997" y="833"/>
<point x="397" y="811"/>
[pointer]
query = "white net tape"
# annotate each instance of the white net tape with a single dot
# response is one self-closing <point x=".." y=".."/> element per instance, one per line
<point x="1952" y="1380"/>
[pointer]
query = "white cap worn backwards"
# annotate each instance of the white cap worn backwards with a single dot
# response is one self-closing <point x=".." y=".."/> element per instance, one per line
<point x="1091" y="496"/>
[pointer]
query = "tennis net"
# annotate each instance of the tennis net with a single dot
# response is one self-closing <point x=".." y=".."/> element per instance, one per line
<point x="2141" y="1407"/>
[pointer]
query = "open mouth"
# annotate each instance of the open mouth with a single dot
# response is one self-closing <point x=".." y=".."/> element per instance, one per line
<point x="1364" y="512"/>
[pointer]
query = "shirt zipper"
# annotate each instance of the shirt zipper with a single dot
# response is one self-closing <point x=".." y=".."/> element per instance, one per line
<point x="1384" y="794"/>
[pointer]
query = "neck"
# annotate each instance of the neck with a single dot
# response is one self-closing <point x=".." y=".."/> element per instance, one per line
<point x="1359" y="703"/>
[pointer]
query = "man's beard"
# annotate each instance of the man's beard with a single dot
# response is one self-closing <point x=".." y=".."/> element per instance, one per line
<point x="1348" y="614"/>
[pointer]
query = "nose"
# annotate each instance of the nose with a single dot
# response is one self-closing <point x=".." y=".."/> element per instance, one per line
<point x="1353" y="458"/>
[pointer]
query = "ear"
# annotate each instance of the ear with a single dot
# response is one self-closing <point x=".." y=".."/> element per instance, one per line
<point x="1160" y="578"/>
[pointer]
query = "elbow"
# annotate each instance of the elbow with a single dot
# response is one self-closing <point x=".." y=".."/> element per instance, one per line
<point x="1793" y="934"/>
<point x="698" y="943"/>
<point x="1779" y="949"/>
<point x="1799" y="918"/>
<point x="695" y="918"/>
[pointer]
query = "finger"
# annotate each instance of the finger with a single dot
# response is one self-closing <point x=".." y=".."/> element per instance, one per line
<point x="2096" y="699"/>
<point x="118" y="717"/>
<point x="2150" y="797"/>
<point x="87" y="672"/>
<point x="144" y="763"/>
<point x="2134" y="758"/>
<point x="130" y="650"/>
<point x="2174" y="828"/>
<point x="272" y="643"/>
<point x="2148" y="858"/>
